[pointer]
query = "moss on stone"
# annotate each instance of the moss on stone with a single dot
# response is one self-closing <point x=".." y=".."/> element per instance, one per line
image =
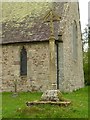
<point x="61" y="97"/>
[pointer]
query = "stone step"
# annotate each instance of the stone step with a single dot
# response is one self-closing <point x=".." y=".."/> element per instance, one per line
<point x="61" y="103"/>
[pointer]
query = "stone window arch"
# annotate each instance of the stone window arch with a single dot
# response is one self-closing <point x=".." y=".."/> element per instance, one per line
<point x="74" y="41"/>
<point x="23" y="61"/>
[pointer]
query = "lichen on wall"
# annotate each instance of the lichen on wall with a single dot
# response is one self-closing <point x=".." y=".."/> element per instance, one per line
<point x="37" y="67"/>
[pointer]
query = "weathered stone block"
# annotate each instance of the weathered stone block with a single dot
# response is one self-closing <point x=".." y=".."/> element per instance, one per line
<point x="52" y="95"/>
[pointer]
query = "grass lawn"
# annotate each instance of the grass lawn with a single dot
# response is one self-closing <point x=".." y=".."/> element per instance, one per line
<point x="15" y="107"/>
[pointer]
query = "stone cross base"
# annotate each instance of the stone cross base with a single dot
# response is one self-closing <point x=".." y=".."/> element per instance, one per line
<point x="60" y="103"/>
<point x="52" y="95"/>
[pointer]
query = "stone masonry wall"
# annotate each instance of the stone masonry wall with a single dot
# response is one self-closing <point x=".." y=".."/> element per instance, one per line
<point x="37" y="67"/>
<point x="73" y="69"/>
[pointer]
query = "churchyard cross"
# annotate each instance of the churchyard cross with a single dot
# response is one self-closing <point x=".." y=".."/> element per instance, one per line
<point x="51" y="17"/>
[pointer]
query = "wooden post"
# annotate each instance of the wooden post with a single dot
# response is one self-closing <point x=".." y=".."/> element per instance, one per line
<point x="15" y="93"/>
<point x="15" y="86"/>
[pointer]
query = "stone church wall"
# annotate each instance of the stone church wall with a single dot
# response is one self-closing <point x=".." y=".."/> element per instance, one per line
<point x="70" y="69"/>
<point x="37" y="67"/>
<point x="73" y="68"/>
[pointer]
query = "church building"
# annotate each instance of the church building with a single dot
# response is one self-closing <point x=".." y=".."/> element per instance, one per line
<point x="41" y="46"/>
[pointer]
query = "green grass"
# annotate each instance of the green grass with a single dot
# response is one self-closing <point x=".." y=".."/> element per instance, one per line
<point x="15" y="107"/>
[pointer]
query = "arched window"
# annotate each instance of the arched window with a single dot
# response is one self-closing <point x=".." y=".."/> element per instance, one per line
<point x="75" y="54"/>
<point x="23" y="62"/>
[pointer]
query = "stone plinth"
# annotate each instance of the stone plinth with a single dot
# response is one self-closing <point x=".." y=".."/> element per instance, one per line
<point x="52" y="95"/>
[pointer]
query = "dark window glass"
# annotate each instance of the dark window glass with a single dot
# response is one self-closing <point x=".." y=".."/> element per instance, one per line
<point x="23" y="62"/>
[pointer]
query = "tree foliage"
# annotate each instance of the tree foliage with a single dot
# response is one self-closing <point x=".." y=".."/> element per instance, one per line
<point x="85" y="39"/>
<point x="89" y="55"/>
<point x="86" y="54"/>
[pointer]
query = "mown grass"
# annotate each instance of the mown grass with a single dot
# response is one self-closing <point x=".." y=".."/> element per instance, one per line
<point x="15" y="107"/>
